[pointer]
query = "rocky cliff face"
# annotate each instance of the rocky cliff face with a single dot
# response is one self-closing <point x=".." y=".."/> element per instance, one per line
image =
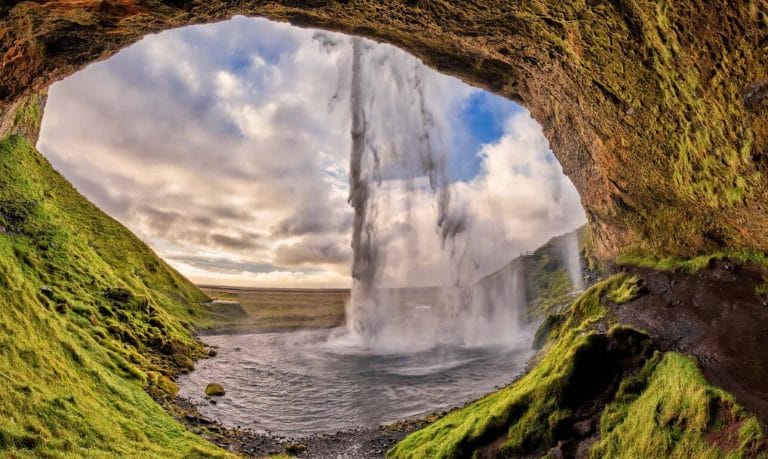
<point x="658" y="111"/>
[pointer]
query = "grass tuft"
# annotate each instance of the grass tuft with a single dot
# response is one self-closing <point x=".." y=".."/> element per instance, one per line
<point x="626" y="292"/>
<point x="669" y="410"/>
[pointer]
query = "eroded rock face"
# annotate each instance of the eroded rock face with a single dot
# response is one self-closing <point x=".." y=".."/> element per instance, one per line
<point x="657" y="111"/>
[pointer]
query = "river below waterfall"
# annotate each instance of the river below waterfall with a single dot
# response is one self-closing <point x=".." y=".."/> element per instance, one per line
<point x="299" y="383"/>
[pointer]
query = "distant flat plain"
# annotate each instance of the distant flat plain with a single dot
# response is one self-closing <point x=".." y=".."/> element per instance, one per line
<point x="245" y="309"/>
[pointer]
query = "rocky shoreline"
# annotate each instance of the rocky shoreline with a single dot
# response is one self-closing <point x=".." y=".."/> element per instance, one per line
<point x="362" y="443"/>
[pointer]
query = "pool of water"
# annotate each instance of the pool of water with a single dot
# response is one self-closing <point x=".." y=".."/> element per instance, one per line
<point x="305" y="382"/>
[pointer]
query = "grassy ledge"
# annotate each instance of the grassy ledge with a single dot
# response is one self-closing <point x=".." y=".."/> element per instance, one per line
<point x="614" y="372"/>
<point x="91" y="320"/>
<point x="547" y="281"/>
<point x="690" y="265"/>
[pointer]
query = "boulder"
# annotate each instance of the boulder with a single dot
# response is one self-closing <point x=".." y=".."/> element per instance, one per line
<point x="214" y="389"/>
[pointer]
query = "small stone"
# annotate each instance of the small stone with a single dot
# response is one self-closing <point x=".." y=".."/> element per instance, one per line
<point x="583" y="427"/>
<point x="212" y="353"/>
<point x="214" y="389"/>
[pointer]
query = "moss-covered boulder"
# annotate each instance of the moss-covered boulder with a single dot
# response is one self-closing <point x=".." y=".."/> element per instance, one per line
<point x="214" y="389"/>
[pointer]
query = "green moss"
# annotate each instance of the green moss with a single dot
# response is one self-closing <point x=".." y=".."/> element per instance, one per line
<point x="547" y="280"/>
<point x="161" y="383"/>
<point x="29" y="115"/>
<point x="669" y="410"/>
<point x="702" y="113"/>
<point x="762" y="290"/>
<point x="691" y="265"/>
<point x="214" y="389"/>
<point x="626" y="292"/>
<point x="76" y="359"/>
<point x="554" y="289"/>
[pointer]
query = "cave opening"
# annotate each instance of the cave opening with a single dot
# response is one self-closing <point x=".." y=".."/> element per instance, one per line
<point x="226" y="148"/>
<point x="191" y="134"/>
<point x="655" y="111"/>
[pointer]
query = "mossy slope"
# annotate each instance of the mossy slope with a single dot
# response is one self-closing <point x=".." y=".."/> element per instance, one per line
<point x="90" y="320"/>
<point x="669" y="410"/>
<point x="646" y="404"/>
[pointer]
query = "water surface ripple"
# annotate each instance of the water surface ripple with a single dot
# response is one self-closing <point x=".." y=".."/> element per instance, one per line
<point x="296" y="383"/>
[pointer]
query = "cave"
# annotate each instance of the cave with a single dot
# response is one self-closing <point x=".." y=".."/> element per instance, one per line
<point x="655" y="111"/>
<point x="658" y="114"/>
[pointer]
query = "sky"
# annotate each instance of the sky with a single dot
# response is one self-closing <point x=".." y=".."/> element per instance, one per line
<point x="225" y="147"/>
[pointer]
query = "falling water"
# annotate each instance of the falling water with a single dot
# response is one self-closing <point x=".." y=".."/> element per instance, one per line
<point x="571" y="257"/>
<point x="398" y="141"/>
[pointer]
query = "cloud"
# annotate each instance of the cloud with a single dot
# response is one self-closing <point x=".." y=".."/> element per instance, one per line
<point x="240" y="242"/>
<point x="225" y="265"/>
<point x="314" y="220"/>
<point x="226" y="147"/>
<point x="301" y="254"/>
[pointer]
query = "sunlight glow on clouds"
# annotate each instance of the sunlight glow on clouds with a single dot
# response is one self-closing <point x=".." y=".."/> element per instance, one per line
<point x="225" y="147"/>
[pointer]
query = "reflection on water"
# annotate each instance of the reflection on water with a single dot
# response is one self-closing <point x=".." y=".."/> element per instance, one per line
<point x="300" y="383"/>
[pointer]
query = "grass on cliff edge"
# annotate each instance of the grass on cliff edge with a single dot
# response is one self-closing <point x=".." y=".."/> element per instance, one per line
<point x="669" y="410"/>
<point x="680" y="414"/>
<point x="548" y="282"/>
<point x="691" y="265"/>
<point x="85" y="308"/>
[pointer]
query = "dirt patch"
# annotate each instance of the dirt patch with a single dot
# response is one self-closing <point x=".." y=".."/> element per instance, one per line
<point x="726" y="438"/>
<point x="717" y="315"/>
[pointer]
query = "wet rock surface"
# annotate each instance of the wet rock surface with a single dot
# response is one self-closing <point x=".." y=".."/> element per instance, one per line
<point x="717" y="315"/>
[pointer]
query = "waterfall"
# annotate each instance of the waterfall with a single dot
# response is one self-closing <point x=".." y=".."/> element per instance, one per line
<point x="571" y="256"/>
<point x="397" y="151"/>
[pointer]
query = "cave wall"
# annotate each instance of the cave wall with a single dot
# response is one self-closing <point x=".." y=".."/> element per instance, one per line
<point x="657" y="110"/>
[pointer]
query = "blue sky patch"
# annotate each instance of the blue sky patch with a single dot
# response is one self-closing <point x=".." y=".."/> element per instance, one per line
<point x="482" y="120"/>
